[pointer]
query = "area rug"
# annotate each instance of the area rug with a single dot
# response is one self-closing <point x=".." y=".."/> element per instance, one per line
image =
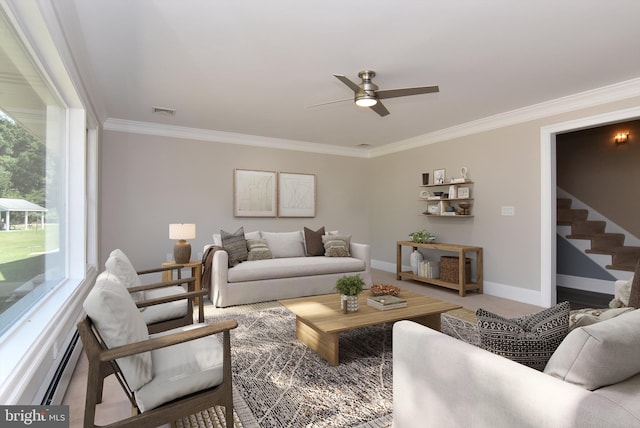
<point x="279" y="382"/>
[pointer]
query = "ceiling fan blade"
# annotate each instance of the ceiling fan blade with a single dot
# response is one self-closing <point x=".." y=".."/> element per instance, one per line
<point x="353" y="86"/>
<point x="329" y="102"/>
<point x="405" y="92"/>
<point x="380" y="109"/>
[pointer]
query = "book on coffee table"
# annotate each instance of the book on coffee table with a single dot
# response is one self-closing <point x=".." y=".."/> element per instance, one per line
<point x="384" y="303"/>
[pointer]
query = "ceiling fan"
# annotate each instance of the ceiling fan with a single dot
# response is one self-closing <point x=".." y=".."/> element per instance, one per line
<point x="366" y="94"/>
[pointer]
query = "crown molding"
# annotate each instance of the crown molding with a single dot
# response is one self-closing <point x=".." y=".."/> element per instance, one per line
<point x="603" y="95"/>
<point x="160" y="130"/>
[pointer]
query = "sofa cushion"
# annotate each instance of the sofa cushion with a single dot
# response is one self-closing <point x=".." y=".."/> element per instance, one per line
<point x="293" y="267"/>
<point x="119" y="265"/>
<point x="313" y="242"/>
<point x="165" y="311"/>
<point x="258" y="249"/>
<point x="285" y="244"/>
<point x="528" y="340"/>
<point x="336" y="245"/>
<point x="182" y="369"/>
<point x="599" y="354"/>
<point x="235" y="245"/>
<point x="119" y="322"/>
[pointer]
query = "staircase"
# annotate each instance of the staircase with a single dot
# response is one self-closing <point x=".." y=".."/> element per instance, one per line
<point x="623" y="257"/>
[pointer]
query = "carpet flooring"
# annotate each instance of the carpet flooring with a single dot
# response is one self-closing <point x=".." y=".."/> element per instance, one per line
<point x="279" y="382"/>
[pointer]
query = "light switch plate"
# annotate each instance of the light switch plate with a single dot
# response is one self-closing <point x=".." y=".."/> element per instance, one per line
<point x="508" y="211"/>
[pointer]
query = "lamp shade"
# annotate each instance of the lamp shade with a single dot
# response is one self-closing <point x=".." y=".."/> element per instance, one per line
<point x="182" y="231"/>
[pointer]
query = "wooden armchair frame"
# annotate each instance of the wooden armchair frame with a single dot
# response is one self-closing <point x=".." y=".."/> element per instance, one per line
<point x="99" y="354"/>
<point x="191" y="294"/>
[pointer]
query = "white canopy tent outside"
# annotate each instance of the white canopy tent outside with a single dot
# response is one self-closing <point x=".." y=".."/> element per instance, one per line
<point x="20" y="205"/>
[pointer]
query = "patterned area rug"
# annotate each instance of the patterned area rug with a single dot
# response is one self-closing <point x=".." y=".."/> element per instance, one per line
<point x="279" y="382"/>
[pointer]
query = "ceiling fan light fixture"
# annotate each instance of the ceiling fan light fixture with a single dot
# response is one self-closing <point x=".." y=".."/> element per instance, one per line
<point x="366" y="100"/>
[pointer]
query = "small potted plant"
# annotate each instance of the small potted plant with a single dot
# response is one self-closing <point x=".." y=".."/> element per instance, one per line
<point x="422" y="236"/>
<point x="349" y="286"/>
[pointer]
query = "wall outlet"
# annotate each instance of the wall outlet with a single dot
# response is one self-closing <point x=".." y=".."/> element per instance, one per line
<point x="508" y="211"/>
<point x="199" y="255"/>
<point x="169" y="257"/>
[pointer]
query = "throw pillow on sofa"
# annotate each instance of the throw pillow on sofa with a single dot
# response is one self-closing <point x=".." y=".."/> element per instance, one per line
<point x="528" y="340"/>
<point x="235" y="245"/>
<point x="313" y="242"/>
<point x="336" y="245"/>
<point x="258" y="249"/>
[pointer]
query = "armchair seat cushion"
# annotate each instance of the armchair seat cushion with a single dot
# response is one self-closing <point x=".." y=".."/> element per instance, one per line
<point x="165" y="311"/>
<point x="182" y="369"/>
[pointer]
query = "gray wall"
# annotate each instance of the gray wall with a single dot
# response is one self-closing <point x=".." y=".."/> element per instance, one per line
<point x="148" y="182"/>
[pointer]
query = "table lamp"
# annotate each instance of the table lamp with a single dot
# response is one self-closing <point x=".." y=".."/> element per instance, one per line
<point x="182" y="249"/>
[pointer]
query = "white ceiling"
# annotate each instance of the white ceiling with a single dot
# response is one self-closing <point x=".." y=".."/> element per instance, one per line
<point x="252" y="67"/>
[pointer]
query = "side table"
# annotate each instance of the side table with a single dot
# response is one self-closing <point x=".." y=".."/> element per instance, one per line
<point x="196" y="272"/>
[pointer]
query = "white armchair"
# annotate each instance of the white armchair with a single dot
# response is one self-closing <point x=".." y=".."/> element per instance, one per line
<point x="114" y="332"/>
<point x="164" y="305"/>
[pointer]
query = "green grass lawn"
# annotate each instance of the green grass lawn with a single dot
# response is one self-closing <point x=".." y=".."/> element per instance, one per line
<point x="21" y="244"/>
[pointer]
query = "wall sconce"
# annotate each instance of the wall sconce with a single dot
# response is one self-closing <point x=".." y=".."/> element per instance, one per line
<point x="621" y="137"/>
<point x="182" y="249"/>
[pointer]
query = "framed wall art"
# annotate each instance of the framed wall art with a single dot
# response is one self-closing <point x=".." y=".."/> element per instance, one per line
<point x="438" y="176"/>
<point x="463" y="192"/>
<point x="254" y="193"/>
<point x="296" y="195"/>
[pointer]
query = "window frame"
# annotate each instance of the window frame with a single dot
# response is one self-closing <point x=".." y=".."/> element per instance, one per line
<point x="33" y="346"/>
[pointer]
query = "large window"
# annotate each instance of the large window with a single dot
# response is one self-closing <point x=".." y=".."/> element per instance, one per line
<point x="32" y="176"/>
<point x="48" y="194"/>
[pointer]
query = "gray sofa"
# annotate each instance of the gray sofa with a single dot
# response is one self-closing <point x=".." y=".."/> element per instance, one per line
<point x="591" y="381"/>
<point x="283" y="277"/>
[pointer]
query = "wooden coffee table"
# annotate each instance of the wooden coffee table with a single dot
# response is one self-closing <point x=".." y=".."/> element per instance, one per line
<point x="319" y="320"/>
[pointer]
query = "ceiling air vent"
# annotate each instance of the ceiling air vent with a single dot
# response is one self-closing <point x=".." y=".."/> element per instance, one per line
<point x="164" y="110"/>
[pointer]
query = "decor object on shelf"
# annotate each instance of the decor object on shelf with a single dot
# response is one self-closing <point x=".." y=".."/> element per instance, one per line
<point x="422" y="236"/>
<point x="438" y="176"/>
<point x="463" y="192"/>
<point x="254" y="193"/>
<point x="349" y="286"/>
<point x="182" y="232"/>
<point x="464" y="208"/>
<point x="415" y="259"/>
<point x="384" y="290"/>
<point x="463" y="172"/>
<point x="425" y="178"/>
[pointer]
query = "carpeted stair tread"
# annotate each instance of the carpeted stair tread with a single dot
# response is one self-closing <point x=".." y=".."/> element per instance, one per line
<point x="588" y="227"/>
<point x="625" y="258"/>
<point x="563" y="203"/>
<point x="572" y="236"/>
<point x="566" y="217"/>
<point x="627" y="268"/>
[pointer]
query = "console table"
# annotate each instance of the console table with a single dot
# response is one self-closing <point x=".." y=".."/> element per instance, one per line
<point x="461" y="250"/>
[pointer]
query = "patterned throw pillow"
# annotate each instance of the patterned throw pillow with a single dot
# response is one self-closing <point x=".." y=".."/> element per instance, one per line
<point x="258" y="249"/>
<point x="235" y="245"/>
<point x="336" y="245"/>
<point x="529" y="340"/>
<point x="313" y="242"/>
